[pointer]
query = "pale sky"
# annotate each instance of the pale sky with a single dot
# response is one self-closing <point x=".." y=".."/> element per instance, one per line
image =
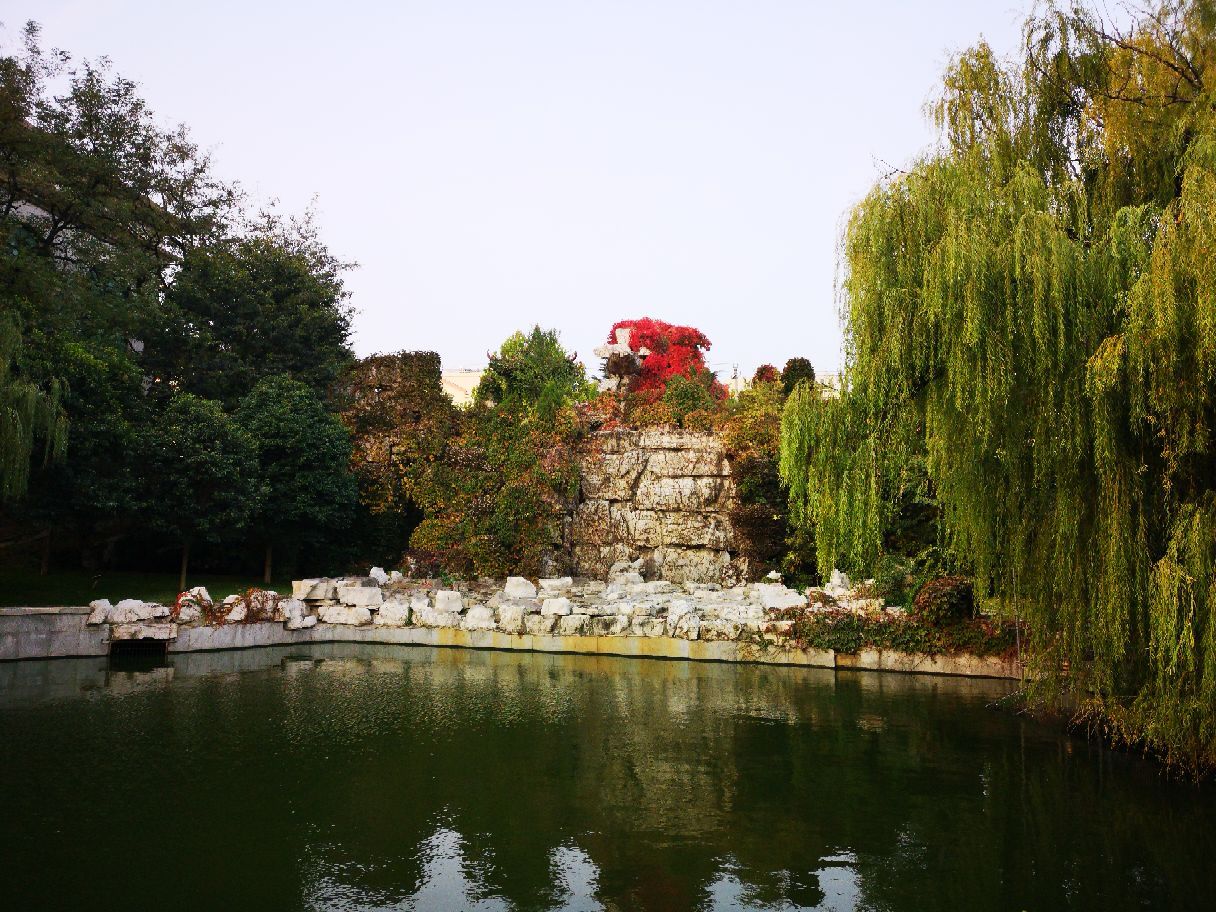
<point x="491" y="165"/>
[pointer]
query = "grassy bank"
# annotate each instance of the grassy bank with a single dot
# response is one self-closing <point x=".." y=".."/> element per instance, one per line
<point x="27" y="588"/>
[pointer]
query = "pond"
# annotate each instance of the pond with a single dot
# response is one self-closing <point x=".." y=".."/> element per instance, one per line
<point x="348" y="777"/>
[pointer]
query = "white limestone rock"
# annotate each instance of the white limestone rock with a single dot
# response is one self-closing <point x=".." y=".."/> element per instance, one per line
<point x="377" y="575"/>
<point x="449" y="600"/>
<point x="296" y="615"/>
<point x="540" y="624"/>
<point x="558" y="586"/>
<point x="317" y="589"/>
<point x="517" y="587"/>
<point x="393" y="613"/>
<point x="648" y="626"/>
<point x="237" y="614"/>
<point x="100" y="611"/>
<point x="360" y="596"/>
<point x="556" y="606"/>
<point x="433" y="617"/>
<point x="686" y="626"/>
<point x="189" y="613"/>
<point x="479" y="617"/>
<point x="143" y="632"/>
<point x="614" y="625"/>
<point x="131" y="611"/>
<point x="572" y="625"/>
<point x="510" y="618"/>
<point x="394" y="576"/>
<point x="719" y="630"/>
<point x="776" y="597"/>
<point x="350" y="615"/>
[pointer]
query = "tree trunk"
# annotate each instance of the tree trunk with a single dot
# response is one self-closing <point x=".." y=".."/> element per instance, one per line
<point x="181" y="580"/>
<point x="266" y="567"/>
<point x="46" y="554"/>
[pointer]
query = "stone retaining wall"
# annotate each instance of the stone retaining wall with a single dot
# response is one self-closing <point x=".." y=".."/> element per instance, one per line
<point x="40" y="633"/>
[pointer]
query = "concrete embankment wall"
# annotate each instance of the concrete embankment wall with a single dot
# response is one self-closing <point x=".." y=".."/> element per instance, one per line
<point x="40" y="633"/>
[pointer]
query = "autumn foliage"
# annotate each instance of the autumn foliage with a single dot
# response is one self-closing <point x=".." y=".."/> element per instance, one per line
<point x="673" y="351"/>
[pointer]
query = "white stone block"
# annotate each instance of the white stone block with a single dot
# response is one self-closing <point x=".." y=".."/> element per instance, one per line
<point x="540" y="624"/>
<point x="479" y="617"/>
<point x="352" y="615"/>
<point x="360" y="596"/>
<point x="518" y="588"/>
<point x="393" y="613"/>
<point x="449" y="600"/>
<point x="556" y="606"/>
<point x="377" y="575"/>
<point x="572" y="625"/>
<point x="100" y="612"/>
<point x="511" y="618"/>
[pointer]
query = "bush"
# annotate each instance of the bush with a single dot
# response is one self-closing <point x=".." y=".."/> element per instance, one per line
<point x="945" y="600"/>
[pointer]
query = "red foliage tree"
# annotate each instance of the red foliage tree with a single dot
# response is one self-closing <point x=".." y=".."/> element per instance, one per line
<point x="766" y="373"/>
<point x="673" y="350"/>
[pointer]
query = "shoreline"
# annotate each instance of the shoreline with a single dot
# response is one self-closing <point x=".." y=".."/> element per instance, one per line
<point x="28" y="634"/>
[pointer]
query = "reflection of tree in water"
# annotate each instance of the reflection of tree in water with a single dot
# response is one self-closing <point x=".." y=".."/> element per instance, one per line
<point x="664" y="772"/>
<point x="453" y="779"/>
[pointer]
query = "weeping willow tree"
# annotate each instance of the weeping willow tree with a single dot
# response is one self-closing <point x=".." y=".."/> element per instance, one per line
<point x="28" y="413"/>
<point x="1030" y="314"/>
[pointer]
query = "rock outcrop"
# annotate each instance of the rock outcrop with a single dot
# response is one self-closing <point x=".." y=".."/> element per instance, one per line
<point x="660" y="495"/>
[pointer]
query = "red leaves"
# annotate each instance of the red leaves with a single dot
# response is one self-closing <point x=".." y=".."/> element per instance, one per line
<point x="674" y="350"/>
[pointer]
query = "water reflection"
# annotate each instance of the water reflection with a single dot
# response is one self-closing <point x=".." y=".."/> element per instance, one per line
<point x="376" y="777"/>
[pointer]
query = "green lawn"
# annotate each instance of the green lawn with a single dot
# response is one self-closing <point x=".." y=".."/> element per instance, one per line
<point x="79" y="587"/>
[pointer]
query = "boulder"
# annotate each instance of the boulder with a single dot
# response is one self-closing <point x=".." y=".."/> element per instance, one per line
<point x="433" y="617"/>
<point x="393" y="613"/>
<point x="556" y="586"/>
<point x="614" y="625"/>
<point x="189" y="613"/>
<point x="572" y="625"/>
<point x="130" y="611"/>
<point x="351" y="615"/>
<point x="377" y="575"/>
<point x="540" y="624"/>
<point x="719" y="630"/>
<point x="360" y="596"/>
<point x="511" y="618"/>
<point x="316" y="589"/>
<point x="686" y="626"/>
<point x="143" y="632"/>
<point x="648" y="626"/>
<point x="237" y="614"/>
<point x="776" y="597"/>
<point x="518" y="588"/>
<point x="296" y="615"/>
<point x="556" y="606"/>
<point x="449" y="600"/>
<point x="479" y="617"/>
<point x="100" y="612"/>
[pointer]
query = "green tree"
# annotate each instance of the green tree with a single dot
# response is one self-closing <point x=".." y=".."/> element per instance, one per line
<point x="795" y="371"/>
<point x="267" y="302"/>
<point x="201" y="474"/>
<point x="400" y="421"/>
<point x="97" y="206"/>
<point x="1030" y="310"/>
<point x="494" y="498"/>
<point x="303" y="454"/>
<point x="535" y="370"/>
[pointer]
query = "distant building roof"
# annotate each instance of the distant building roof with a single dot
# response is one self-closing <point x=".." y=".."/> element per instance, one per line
<point x="459" y="384"/>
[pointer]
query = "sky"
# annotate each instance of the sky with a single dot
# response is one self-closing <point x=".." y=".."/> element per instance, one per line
<point x="567" y="163"/>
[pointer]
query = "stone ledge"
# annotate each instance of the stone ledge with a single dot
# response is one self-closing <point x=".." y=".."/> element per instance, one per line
<point x="22" y="612"/>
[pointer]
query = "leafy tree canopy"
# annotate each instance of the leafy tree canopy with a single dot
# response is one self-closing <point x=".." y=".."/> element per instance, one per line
<point x="1030" y="308"/>
<point x="535" y="370"/>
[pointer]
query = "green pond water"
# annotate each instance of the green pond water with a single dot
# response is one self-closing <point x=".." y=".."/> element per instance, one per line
<point x="368" y="777"/>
